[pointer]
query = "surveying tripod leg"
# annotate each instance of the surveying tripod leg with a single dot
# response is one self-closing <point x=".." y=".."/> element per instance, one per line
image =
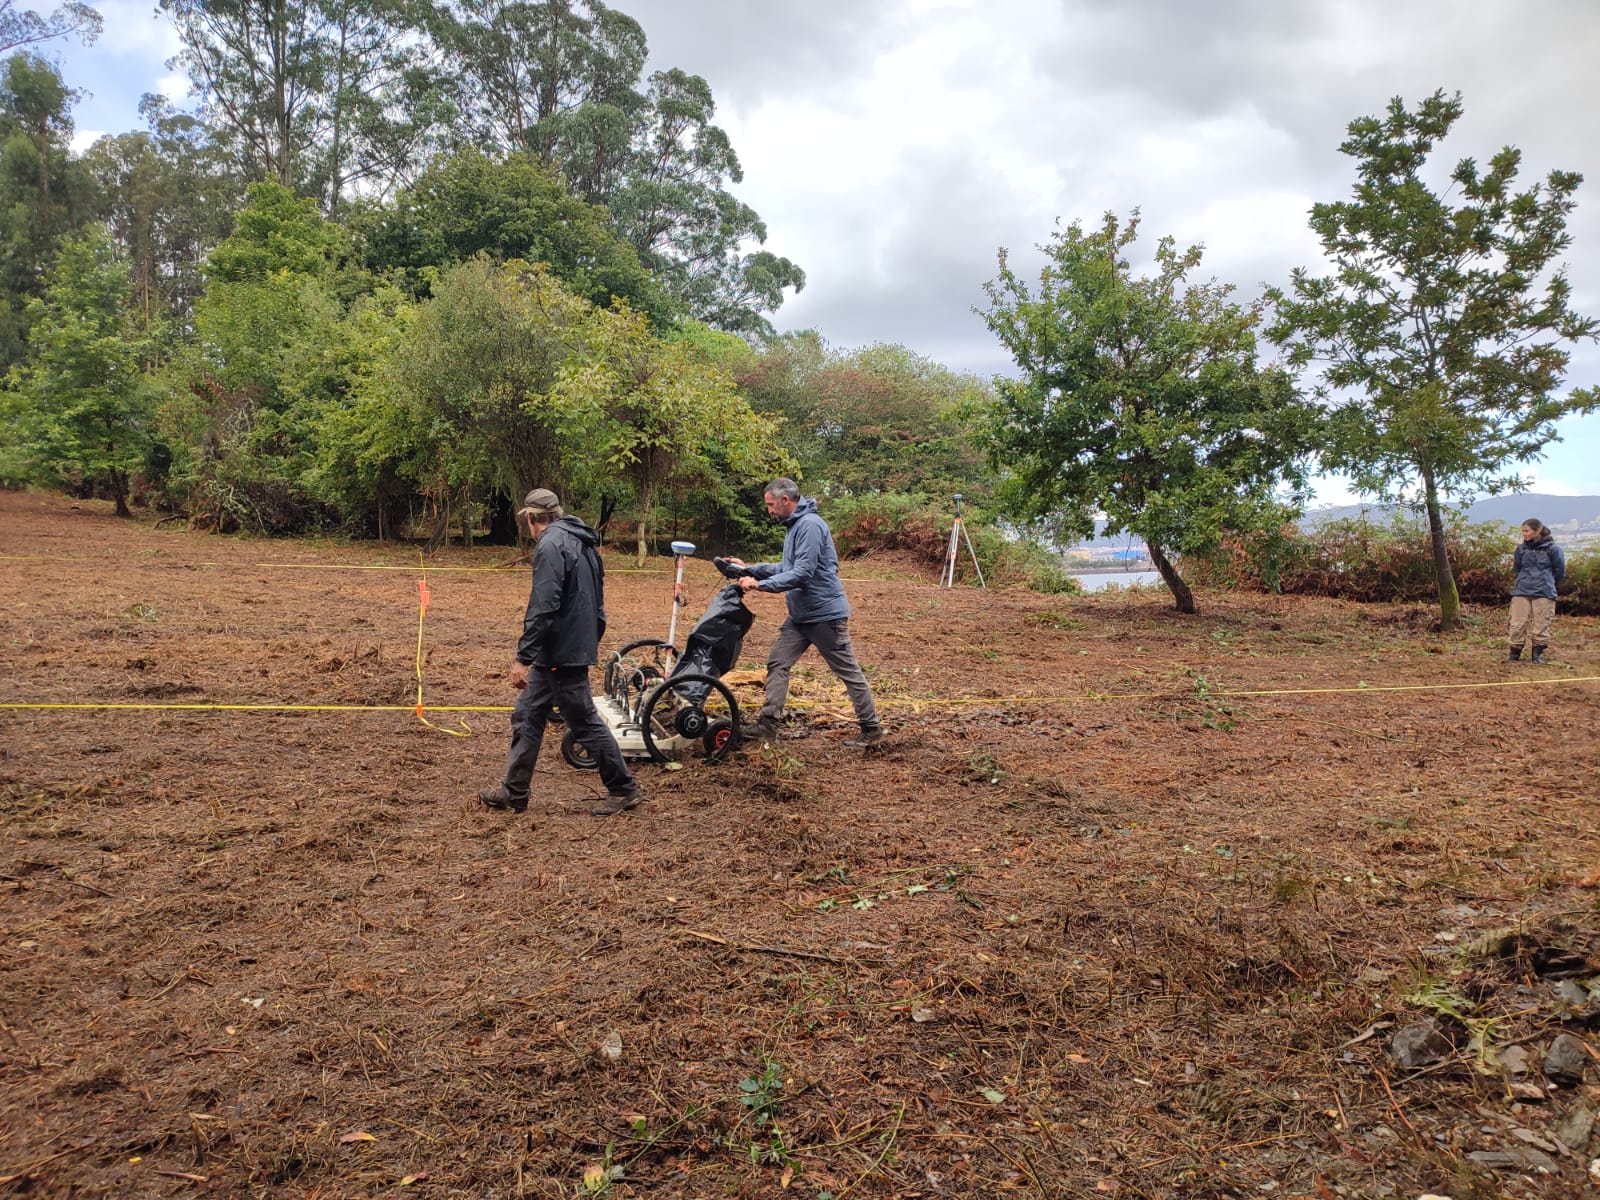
<point x="974" y="555"/>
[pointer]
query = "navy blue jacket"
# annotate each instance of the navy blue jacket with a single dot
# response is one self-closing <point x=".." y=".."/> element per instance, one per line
<point x="809" y="572"/>
<point x="566" y="614"/>
<point x="1540" y="566"/>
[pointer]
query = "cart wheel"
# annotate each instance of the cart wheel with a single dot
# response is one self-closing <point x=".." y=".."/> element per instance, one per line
<point x="719" y="739"/>
<point x="577" y="754"/>
<point x="689" y="707"/>
<point x="633" y="668"/>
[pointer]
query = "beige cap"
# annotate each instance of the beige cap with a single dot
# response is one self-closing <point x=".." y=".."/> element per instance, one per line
<point x="539" y="502"/>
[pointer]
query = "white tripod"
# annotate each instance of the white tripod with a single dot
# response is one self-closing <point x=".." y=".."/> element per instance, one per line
<point x="958" y="534"/>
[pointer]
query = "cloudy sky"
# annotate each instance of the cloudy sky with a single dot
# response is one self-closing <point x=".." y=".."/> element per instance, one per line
<point x="892" y="146"/>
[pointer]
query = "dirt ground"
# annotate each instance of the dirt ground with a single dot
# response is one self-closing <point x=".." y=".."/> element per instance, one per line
<point x="1090" y="923"/>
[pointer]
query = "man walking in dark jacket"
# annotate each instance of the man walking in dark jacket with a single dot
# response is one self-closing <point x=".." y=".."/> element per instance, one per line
<point x="560" y="641"/>
<point x="819" y="614"/>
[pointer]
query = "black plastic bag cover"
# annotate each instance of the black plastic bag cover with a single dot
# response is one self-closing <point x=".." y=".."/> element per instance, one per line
<point x="718" y="637"/>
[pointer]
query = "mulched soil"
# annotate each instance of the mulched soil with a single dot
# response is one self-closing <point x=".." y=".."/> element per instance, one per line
<point x="1087" y="924"/>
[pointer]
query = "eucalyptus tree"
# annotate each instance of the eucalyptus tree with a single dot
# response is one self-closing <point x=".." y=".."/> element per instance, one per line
<point x="167" y="194"/>
<point x="26" y="27"/>
<point x="563" y="80"/>
<point x="326" y="97"/>
<point x="1442" y="321"/>
<point x="1139" y="398"/>
<point x="44" y="192"/>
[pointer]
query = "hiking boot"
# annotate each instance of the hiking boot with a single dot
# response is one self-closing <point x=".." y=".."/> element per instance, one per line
<point x="615" y="803"/>
<point x="1514" y="654"/>
<point x="501" y="799"/>
<point x="763" y="733"/>
<point x="869" y="737"/>
<point x="1538" y="654"/>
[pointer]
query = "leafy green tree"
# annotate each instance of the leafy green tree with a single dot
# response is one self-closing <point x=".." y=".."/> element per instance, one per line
<point x="876" y="420"/>
<point x="1139" y="397"/>
<point x="369" y="449"/>
<point x="455" y="404"/>
<point x="85" y="411"/>
<point x="275" y="233"/>
<point x="662" y="417"/>
<point x="44" y="193"/>
<point x="25" y="27"/>
<point x="511" y="208"/>
<point x="1441" y="326"/>
<point x="245" y="392"/>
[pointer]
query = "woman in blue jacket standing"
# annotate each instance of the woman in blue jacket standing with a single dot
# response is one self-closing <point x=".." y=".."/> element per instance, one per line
<point x="1540" y="565"/>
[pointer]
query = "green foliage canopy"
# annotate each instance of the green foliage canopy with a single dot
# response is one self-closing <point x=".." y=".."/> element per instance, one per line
<point x="82" y="410"/>
<point x="1443" y="325"/>
<point x="1138" y="397"/>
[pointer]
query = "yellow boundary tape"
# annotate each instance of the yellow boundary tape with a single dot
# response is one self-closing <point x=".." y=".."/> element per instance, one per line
<point x="420" y="709"/>
<point x="883" y="702"/>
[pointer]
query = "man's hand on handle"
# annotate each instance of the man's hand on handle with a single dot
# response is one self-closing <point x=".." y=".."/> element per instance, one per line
<point x="519" y="676"/>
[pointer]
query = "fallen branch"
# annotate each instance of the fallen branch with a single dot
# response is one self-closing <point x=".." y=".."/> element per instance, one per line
<point x="755" y="949"/>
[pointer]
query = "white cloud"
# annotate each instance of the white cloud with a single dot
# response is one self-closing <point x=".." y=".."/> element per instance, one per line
<point x="174" y="87"/>
<point x="1545" y="485"/>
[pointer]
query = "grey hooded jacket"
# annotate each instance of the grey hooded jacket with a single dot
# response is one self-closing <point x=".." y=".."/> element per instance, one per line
<point x="809" y="572"/>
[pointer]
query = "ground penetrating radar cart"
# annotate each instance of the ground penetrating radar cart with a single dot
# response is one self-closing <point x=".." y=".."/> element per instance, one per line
<point x="662" y="705"/>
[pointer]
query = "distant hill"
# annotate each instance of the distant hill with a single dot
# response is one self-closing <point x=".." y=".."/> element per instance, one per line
<point x="1571" y="513"/>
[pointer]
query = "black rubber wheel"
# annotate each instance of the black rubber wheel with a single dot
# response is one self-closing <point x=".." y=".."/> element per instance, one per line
<point x="691" y="701"/>
<point x="577" y="754"/>
<point x="636" y="666"/>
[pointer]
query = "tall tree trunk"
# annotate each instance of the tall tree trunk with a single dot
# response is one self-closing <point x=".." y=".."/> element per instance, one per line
<point x="647" y="499"/>
<point x="441" y="530"/>
<point x="1181" y="594"/>
<point x="280" y="69"/>
<point x="1449" y="594"/>
<point x="119" y="489"/>
<point x="336" y="166"/>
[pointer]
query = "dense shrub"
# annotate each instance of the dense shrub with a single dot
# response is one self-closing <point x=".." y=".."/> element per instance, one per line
<point x="1580" y="590"/>
<point x="915" y="525"/>
<point x="1361" y="560"/>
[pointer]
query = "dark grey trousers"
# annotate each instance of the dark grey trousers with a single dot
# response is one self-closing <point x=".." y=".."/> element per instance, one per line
<point x="569" y="688"/>
<point x="832" y="640"/>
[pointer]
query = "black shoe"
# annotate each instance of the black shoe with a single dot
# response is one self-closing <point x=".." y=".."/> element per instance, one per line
<point x="1538" y="654"/>
<point x="869" y="737"/>
<point x="1514" y="654"/>
<point x="762" y="733"/>
<point x="499" y="798"/>
<point x="616" y="803"/>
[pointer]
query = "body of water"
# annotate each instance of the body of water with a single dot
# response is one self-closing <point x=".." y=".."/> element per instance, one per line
<point x="1096" y="581"/>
